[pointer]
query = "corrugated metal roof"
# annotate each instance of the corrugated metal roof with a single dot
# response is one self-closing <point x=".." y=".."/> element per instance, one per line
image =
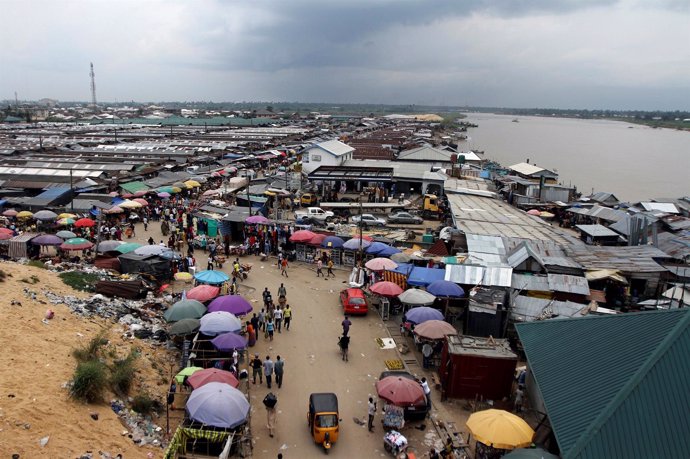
<point x="614" y="386"/>
<point x="488" y="276"/>
<point x="528" y="309"/>
<point x="334" y="147"/>
<point x="628" y="259"/>
<point x="597" y="230"/>
<point x="425" y="153"/>
<point x="568" y="284"/>
<point x="485" y="244"/>
<point x="528" y="282"/>
<point x="522" y="253"/>
<point x="665" y="207"/>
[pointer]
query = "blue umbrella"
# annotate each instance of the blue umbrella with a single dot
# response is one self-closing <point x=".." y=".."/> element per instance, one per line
<point x="388" y="251"/>
<point x="233" y="304"/>
<point x="377" y="247"/>
<point x="216" y="323"/>
<point x="332" y="242"/>
<point x="211" y="277"/>
<point x="421" y="314"/>
<point x="229" y="341"/>
<point x="168" y="255"/>
<point x="446" y="289"/>
<point x="219" y="405"/>
<point x="353" y="244"/>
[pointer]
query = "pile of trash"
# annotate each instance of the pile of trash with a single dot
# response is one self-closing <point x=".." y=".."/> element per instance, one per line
<point x="141" y="429"/>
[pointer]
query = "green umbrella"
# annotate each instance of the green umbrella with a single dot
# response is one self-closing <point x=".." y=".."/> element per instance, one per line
<point x="188" y="371"/>
<point x="185" y="309"/>
<point x="127" y="247"/>
<point x="529" y="453"/>
<point x="165" y="189"/>
<point x="184" y="327"/>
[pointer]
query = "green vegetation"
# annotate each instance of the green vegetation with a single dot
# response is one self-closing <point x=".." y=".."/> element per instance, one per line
<point x="122" y="374"/>
<point x="144" y="404"/>
<point x="37" y="264"/>
<point x="89" y="381"/>
<point x="79" y="280"/>
<point x="92" y="349"/>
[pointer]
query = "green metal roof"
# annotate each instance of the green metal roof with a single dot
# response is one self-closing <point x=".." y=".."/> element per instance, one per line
<point x="133" y="187"/>
<point x="614" y="386"/>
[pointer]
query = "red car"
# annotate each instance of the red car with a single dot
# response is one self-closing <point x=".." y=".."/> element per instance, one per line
<point x="354" y="301"/>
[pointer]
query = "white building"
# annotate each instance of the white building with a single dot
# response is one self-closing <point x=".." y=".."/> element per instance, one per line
<point x="328" y="153"/>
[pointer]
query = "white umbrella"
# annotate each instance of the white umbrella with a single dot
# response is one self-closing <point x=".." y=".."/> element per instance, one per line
<point x="416" y="297"/>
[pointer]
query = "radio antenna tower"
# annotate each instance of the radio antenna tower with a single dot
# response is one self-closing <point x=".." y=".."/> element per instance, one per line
<point x="93" y="87"/>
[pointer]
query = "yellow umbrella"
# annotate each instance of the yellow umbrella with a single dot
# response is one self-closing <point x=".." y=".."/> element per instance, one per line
<point x="192" y="184"/>
<point x="183" y="276"/>
<point x="129" y="205"/>
<point x="176" y="189"/>
<point x="500" y="429"/>
<point x="67" y="215"/>
<point x="25" y="214"/>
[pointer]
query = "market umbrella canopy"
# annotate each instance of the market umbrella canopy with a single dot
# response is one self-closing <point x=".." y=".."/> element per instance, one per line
<point x="218" y="405"/>
<point x="203" y="293"/>
<point x="233" y="304"/>
<point x="140" y="193"/>
<point x="212" y="276"/>
<point x="317" y="239"/>
<point x="185" y="309"/>
<point x="84" y="223"/>
<point x="192" y="184"/>
<point x="216" y="323"/>
<point x="129" y="204"/>
<point x="6" y="230"/>
<point x="530" y="453"/>
<point x="141" y="201"/>
<point x="400" y="257"/>
<point x="47" y="239"/>
<point x="5" y="236"/>
<point x="381" y="264"/>
<point x="421" y="314"/>
<point x="209" y="375"/>
<point x="114" y="210"/>
<point x="76" y="243"/>
<point x="128" y="247"/>
<point x="229" y="341"/>
<point x="67" y="215"/>
<point x="45" y="215"/>
<point x="64" y="234"/>
<point x="25" y="214"/>
<point x="181" y="276"/>
<point x="215" y="192"/>
<point x="435" y="329"/>
<point x="400" y="391"/>
<point x="332" y="242"/>
<point x="187" y="371"/>
<point x="354" y="244"/>
<point x="302" y="236"/>
<point x="255" y="218"/>
<point x="66" y="221"/>
<point x="386" y="288"/>
<point x="163" y="194"/>
<point x="416" y="297"/>
<point x="534" y="212"/>
<point x="500" y="429"/>
<point x="184" y="327"/>
<point x="150" y="250"/>
<point x="10" y="213"/>
<point x="446" y="289"/>
<point x="107" y="246"/>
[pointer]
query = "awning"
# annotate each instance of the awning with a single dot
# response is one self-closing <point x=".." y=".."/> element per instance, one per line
<point x="600" y="274"/>
<point x="358" y="174"/>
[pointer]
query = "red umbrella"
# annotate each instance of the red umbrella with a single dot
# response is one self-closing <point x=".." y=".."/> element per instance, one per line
<point x="127" y="195"/>
<point x="386" y="288"/>
<point x="6" y="230"/>
<point x="400" y="391"/>
<point x="141" y="201"/>
<point x="5" y="236"/>
<point x="201" y="377"/>
<point x="84" y="223"/>
<point x="203" y="293"/>
<point x="302" y="236"/>
<point x="317" y="239"/>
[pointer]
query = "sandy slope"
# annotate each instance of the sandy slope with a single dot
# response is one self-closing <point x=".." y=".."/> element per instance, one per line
<point x="36" y="361"/>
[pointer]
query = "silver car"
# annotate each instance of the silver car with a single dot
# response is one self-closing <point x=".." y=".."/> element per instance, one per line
<point x="405" y="218"/>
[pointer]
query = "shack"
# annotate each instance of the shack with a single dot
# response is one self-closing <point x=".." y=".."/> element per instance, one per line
<point x="476" y="367"/>
<point x="153" y="265"/>
<point x="597" y="234"/>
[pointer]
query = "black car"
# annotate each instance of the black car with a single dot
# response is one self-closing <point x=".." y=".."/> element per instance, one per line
<point x="412" y="413"/>
<point x="405" y="218"/>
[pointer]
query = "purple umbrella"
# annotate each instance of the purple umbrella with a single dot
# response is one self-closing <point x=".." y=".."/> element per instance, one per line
<point x="229" y="341"/>
<point x="233" y="304"/>
<point x="445" y="288"/>
<point x="256" y="219"/>
<point x="421" y="314"/>
<point x="47" y="239"/>
<point x="219" y="405"/>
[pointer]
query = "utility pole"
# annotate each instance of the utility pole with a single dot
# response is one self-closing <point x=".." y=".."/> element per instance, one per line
<point x="71" y="190"/>
<point x="249" y="200"/>
<point x="93" y="88"/>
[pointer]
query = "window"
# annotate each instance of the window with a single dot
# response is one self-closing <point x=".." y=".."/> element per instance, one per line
<point x="326" y="420"/>
<point x="315" y="158"/>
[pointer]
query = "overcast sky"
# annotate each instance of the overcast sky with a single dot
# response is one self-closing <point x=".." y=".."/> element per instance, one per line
<point x="627" y="54"/>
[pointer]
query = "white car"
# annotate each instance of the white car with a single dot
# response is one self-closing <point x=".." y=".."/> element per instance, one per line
<point x="368" y="220"/>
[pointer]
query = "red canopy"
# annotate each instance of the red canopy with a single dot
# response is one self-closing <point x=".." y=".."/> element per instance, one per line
<point x="400" y="391"/>
<point x="201" y="377"/>
<point x="84" y="223"/>
<point x="203" y="293"/>
<point x="302" y="236"/>
<point x="317" y="239"/>
<point x="386" y="288"/>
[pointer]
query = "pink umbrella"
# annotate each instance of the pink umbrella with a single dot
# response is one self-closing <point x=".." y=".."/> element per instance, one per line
<point x="114" y="210"/>
<point x="317" y="239"/>
<point x="203" y="293"/>
<point x="302" y="236"/>
<point x="113" y="194"/>
<point x="256" y="219"/>
<point x="5" y="236"/>
<point x="141" y="201"/>
<point x="435" y="329"/>
<point x="140" y="193"/>
<point x="10" y="213"/>
<point x="381" y="264"/>
<point x="201" y="377"/>
<point x="127" y="195"/>
<point x="534" y="212"/>
<point x="211" y="193"/>
<point x="386" y="288"/>
<point x="6" y="230"/>
<point x="164" y="194"/>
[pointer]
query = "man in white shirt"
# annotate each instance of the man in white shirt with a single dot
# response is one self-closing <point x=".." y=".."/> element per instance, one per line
<point x="278" y="318"/>
<point x="371" y="410"/>
<point x="427" y="394"/>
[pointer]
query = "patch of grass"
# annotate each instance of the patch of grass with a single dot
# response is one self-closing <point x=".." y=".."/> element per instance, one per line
<point x="89" y="381"/>
<point x="144" y="404"/>
<point x="79" y="280"/>
<point x="36" y="264"/>
<point x="122" y="374"/>
<point x="92" y="350"/>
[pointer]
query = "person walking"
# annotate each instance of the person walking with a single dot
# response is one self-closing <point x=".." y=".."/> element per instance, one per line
<point x="519" y="397"/>
<point x="284" y="268"/>
<point x="278" y="368"/>
<point x="346" y="326"/>
<point x="282" y="291"/>
<point x="268" y="370"/>
<point x="344" y="343"/>
<point x="330" y="268"/>
<point x="278" y="318"/>
<point x="257" y="369"/>
<point x="145" y="220"/>
<point x="287" y="317"/>
<point x="427" y="352"/>
<point x="270" y="403"/>
<point x="371" y="410"/>
<point x="262" y="320"/>
<point x="319" y="268"/>
<point x="270" y="327"/>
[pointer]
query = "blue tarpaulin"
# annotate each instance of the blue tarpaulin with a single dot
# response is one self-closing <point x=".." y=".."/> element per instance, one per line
<point x="403" y="268"/>
<point x="424" y="276"/>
